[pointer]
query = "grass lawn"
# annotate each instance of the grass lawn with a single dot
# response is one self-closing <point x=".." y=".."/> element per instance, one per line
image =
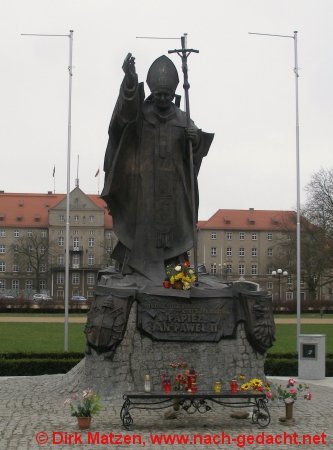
<point x="40" y="337"/>
<point x="49" y="337"/>
<point x="286" y="336"/>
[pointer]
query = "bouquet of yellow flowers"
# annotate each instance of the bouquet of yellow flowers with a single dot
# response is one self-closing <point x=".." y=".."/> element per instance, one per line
<point x="179" y="276"/>
<point x="255" y="384"/>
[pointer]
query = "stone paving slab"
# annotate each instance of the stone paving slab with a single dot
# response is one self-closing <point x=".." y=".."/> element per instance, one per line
<point x="32" y="405"/>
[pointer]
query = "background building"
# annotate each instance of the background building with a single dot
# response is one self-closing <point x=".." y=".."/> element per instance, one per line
<point x="32" y="243"/>
<point x="247" y="244"/>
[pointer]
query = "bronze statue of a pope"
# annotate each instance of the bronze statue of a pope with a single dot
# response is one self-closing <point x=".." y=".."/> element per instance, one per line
<point x="147" y="172"/>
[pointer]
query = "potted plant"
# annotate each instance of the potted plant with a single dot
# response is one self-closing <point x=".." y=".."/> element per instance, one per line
<point x="83" y="406"/>
<point x="289" y="395"/>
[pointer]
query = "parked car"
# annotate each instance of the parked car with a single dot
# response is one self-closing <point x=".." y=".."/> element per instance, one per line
<point x="41" y="297"/>
<point x="6" y="297"/>
<point x="78" y="298"/>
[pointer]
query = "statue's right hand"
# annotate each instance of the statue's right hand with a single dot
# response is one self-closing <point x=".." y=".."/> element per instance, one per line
<point x="129" y="70"/>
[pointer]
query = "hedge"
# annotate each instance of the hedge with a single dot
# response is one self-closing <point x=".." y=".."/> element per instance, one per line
<point x="23" y="364"/>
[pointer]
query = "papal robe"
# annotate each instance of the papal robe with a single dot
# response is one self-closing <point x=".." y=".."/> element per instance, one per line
<point x="147" y="183"/>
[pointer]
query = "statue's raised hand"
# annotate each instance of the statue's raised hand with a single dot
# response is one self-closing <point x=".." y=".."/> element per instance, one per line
<point x="129" y="70"/>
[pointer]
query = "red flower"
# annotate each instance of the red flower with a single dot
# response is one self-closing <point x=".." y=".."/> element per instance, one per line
<point x="186" y="263"/>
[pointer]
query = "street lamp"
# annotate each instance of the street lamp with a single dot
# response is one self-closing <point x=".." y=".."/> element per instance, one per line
<point x="279" y="273"/>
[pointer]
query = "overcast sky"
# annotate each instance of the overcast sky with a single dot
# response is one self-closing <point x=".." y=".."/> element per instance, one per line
<point x="242" y="88"/>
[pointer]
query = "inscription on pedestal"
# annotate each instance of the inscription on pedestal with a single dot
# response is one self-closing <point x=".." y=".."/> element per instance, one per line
<point x="184" y="319"/>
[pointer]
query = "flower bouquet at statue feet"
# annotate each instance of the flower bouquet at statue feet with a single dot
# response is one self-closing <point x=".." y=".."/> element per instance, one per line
<point x="83" y="406"/>
<point x="179" y="276"/>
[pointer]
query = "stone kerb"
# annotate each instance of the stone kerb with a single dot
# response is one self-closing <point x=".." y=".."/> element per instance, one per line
<point x="138" y="355"/>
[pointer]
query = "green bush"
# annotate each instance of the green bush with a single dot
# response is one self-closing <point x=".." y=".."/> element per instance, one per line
<point x="25" y="364"/>
<point x="28" y="364"/>
<point x="287" y="364"/>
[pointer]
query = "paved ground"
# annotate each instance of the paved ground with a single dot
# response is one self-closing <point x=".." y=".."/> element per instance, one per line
<point x="32" y="408"/>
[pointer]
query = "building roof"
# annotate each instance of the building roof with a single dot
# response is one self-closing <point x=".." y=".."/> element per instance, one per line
<point x="249" y="219"/>
<point x="23" y="210"/>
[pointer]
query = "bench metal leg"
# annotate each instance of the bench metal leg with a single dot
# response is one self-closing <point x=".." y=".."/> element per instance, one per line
<point x="125" y="415"/>
<point x="261" y="414"/>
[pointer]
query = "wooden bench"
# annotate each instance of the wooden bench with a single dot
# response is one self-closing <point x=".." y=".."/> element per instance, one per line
<point x="196" y="402"/>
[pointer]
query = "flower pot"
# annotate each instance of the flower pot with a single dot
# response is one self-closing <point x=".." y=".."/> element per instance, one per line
<point x="83" y="422"/>
<point x="289" y="410"/>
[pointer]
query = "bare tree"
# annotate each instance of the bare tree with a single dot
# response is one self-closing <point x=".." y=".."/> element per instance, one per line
<point x="316" y="252"/>
<point x="319" y="205"/>
<point x="31" y="253"/>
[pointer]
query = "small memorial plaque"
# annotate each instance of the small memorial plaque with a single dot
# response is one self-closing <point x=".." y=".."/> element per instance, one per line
<point x="186" y="319"/>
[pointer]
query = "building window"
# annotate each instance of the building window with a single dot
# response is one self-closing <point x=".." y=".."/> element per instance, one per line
<point x="289" y="295"/>
<point x="76" y="278"/>
<point x="61" y="260"/>
<point x="229" y="251"/>
<point x="91" y="260"/>
<point x="213" y="268"/>
<point x="29" y="233"/>
<point x="242" y="251"/>
<point x="28" y="285"/>
<point x="90" y="279"/>
<point x="43" y="233"/>
<point x="269" y="236"/>
<point x="241" y="235"/>
<point x="2" y="284"/>
<point x="269" y="252"/>
<point x="2" y="266"/>
<point x="254" y="251"/>
<point x="76" y="242"/>
<point x="76" y="261"/>
<point x="16" y="233"/>
<point x="16" y="267"/>
<point x="42" y="284"/>
<point x="61" y="232"/>
<point x="213" y="251"/>
<point x="241" y="269"/>
<point x="43" y="267"/>
<point x="254" y="236"/>
<point x="76" y="232"/>
<point x="91" y="232"/>
<point x="2" y="233"/>
<point x="229" y="268"/>
<point x="16" y="285"/>
<point x="60" y="278"/>
<point x="62" y="218"/>
<point x="2" y="248"/>
<point x="229" y="235"/>
<point x="91" y="218"/>
<point x="213" y="235"/>
<point x="269" y="285"/>
<point x="108" y="235"/>
<point x="91" y="242"/>
<point x="60" y="294"/>
<point x="61" y="241"/>
<point x="76" y="218"/>
<point x="29" y="268"/>
<point x="254" y="269"/>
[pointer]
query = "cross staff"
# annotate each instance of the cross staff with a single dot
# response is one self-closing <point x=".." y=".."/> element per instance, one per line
<point x="184" y="54"/>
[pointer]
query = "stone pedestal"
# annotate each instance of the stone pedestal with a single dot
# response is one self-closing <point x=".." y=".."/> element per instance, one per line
<point x="138" y="354"/>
